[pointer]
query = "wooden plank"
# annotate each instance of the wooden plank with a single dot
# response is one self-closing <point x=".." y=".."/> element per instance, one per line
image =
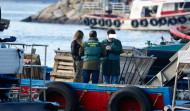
<point x="62" y="51"/>
<point x="55" y="65"/>
<point x="66" y="63"/>
<point x="64" y="71"/>
<point x="64" y="80"/>
<point x="68" y="75"/>
<point x="62" y="57"/>
<point x="52" y="78"/>
<point x="65" y="67"/>
<point x="63" y="77"/>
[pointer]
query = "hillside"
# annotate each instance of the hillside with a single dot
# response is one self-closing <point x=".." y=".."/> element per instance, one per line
<point x="63" y="12"/>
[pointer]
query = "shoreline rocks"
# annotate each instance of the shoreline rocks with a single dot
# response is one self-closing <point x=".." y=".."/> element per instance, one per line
<point x="63" y="12"/>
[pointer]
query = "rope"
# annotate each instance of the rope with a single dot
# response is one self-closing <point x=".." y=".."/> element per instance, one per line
<point x="84" y="91"/>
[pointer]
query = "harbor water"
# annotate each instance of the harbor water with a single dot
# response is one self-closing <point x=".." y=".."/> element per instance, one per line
<point x="61" y="35"/>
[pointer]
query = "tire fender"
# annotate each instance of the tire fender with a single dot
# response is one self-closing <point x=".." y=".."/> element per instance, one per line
<point x="126" y="93"/>
<point x="61" y="92"/>
<point x="182" y="20"/>
<point x="93" y="21"/>
<point x="108" y="23"/>
<point x="162" y="21"/>
<point x="144" y="23"/>
<point x="154" y="22"/>
<point x="174" y="36"/>
<point x="172" y="21"/>
<point x="134" y="23"/>
<point x="101" y="22"/>
<point x="86" y="21"/>
<point x="117" y="23"/>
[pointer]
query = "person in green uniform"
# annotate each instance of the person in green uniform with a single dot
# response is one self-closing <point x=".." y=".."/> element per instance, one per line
<point x="92" y="50"/>
<point x="111" y="62"/>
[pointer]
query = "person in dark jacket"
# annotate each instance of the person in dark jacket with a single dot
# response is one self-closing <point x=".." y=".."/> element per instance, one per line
<point x="78" y="62"/>
<point x="92" y="50"/>
<point x="111" y="63"/>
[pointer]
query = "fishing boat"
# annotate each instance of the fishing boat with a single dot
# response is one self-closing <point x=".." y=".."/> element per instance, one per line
<point x="163" y="51"/>
<point x="156" y="95"/>
<point x="100" y="97"/>
<point x="12" y="97"/>
<point x="73" y="96"/>
<point x="144" y="15"/>
<point x="180" y="32"/>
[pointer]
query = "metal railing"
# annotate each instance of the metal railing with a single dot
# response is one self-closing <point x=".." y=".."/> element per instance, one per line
<point x="120" y="7"/>
<point x="116" y="7"/>
<point x="31" y="65"/>
<point x="92" y="6"/>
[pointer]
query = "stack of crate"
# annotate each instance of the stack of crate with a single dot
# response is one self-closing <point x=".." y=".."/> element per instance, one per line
<point x="63" y="69"/>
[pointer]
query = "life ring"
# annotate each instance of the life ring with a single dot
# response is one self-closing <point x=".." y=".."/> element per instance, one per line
<point x="183" y="40"/>
<point x="86" y="21"/>
<point x="108" y="23"/>
<point x="134" y="23"/>
<point x="93" y="21"/>
<point x="162" y="21"/>
<point x="101" y="22"/>
<point x="121" y="100"/>
<point x="182" y="20"/>
<point x="172" y="21"/>
<point x="144" y="23"/>
<point x="117" y="23"/>
<point x="63" y="94"/>
<point x="154" y="22"/>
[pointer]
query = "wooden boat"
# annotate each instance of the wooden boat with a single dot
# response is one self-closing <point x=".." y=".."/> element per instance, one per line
<point x="180" y="32"/>
<point x="77" y="96"/>
<point x="100" y="97"/>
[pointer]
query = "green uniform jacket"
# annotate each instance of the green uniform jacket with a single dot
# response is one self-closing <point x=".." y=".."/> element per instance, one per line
<point x="92" y="64"/>
<point x="111" y="62"/>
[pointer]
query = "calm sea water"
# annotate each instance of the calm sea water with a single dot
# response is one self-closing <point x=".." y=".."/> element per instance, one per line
<point x="59" y="35"/>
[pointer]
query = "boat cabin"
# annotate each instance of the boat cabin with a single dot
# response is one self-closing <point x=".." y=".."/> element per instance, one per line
<point x="157" y="8"/>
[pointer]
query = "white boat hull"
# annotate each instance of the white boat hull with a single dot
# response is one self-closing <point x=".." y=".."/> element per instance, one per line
<point x="126" y="24"/>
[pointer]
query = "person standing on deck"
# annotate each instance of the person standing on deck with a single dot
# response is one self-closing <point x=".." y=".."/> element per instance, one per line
<point x="78" y="62"/>
<point x="111" y="63"/>
<point x="92" y="50"/>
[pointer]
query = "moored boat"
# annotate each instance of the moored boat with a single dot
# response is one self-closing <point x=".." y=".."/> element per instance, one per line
<point x="180" y="32"/>
<point x="144" y="15"/>
<point x="11" y="65"/>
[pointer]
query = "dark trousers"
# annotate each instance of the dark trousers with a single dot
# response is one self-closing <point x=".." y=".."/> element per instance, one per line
<point x="95" y="76"/>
